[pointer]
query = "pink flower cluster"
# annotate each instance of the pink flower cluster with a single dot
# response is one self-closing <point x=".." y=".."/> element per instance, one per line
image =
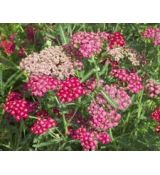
<point x="70" y="90"/>
<point x="86" y="43"/>
<point x="43" y="123"/>
<point x="152" y="33"/>
<point x="89" y="139"/>
<point x="153" y="88"/>
<point x="102" y="120"/>
<point x="120" y="74"/>
<point x="116" y="39"/>
<point x="134" y="82"/>
<point x="41" y="84"/>
<point x="16" y="106"/>
<point x="103" y="116"/>
<point x="155" y="115"/>
<point x="119" y="96"/>
<point x="149" y="33"/>
<point x="104" y="36"/>
<point x="7" y="46"/>
<point x="91" y="84"/>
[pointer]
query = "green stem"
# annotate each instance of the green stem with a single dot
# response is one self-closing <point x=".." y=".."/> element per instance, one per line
<point x="111" y="135"/>
<point x="32" y="117"/>
<point x="64" y="40"/>
<point x="109" y="99"/>
<point x="97" y="69"/>
<point x="65" y="124"/>
<point x="88" y="75"/>
<point x="59" y="132"/>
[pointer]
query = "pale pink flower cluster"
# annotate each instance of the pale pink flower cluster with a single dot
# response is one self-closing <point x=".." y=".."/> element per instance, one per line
<point x="117" y="53"/>
<point x="153" y="88"/>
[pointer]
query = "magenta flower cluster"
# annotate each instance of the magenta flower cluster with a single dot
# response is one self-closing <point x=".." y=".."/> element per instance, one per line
<point x="39" y="85"/>
<point x="70" y="90"/>
<point x="89" y="139"/>
<point x="132" y="79"/>
<point x="43" y="123"/>
<point x="18" y="107"/>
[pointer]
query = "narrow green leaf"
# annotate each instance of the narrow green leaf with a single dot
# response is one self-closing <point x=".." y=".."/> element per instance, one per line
<point x="109" y="99"/>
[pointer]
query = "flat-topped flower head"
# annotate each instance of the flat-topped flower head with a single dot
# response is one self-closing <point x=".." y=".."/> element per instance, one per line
<point x="70" y="90"/>
<point x="39" y="85"/>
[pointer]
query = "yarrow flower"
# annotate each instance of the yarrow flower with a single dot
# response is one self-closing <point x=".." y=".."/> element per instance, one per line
<point x="17" y="107"/>
<point x="39" y="85"/>
<point x="7" y="46"/>
<point x="89" y="139"/>
<point x="120" y="74"/>
<point x="31" y="32"/>
<point x="103" y="138"/>
<point x="86" y="43"/>
<point x="119" y="96"/>
<point x="104" y="35"/>
<point x="101" y="119"/>
<point x="116" y="53"/>
<point x="152" y="33"/>
<point x="153" y="88"/>
<point x="51" y="61"/>
<point x="70" y="90"/>
<point x="155" y="115"/>
<point x="149" y="33"/>
<point x="103" y="115"/>
<point x="116" y="39"/>
<point x="133" y="81"/>
<point x="43" y="123"/>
